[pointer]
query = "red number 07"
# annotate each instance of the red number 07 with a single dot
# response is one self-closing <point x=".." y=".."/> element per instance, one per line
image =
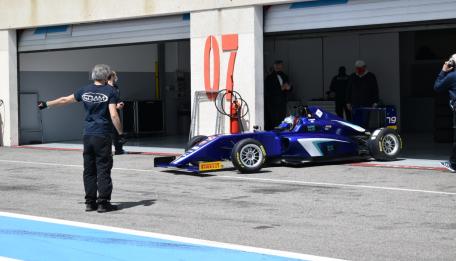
<point x="229" y="44"/>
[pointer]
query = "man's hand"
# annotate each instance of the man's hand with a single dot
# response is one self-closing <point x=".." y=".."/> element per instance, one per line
<point x="120" y="105"/>
<point x="42" y="105"/>
<point x="446" y="67"/>
<point x="122" y="139"/>
<point x="349" y="106"/>
<point x="374" y="105"/>
<point x="285" y="87"/>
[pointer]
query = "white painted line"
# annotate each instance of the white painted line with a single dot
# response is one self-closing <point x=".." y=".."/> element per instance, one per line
<point x="278" y="181"/>
<point x="2" y="258"/>
<point x="42" y="163"/>
<point x="173" y="238"/>
<point x="336" y="185"/>
<point x="68" y="165"/>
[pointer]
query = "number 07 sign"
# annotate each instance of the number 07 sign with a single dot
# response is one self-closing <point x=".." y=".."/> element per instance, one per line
<point x="229" y="44"/>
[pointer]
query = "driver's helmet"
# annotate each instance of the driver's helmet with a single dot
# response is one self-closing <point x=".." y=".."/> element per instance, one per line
<point x="288" y="119"/>
<point x="288" y="122"/>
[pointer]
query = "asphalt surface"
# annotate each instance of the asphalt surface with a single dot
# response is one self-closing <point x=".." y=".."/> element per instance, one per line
<point x="339" y="211"/>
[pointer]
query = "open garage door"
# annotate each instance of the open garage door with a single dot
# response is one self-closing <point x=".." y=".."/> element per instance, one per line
<point x="105" y="33"/>
<point x="323" y="14"/>
<point x="151" y="57"/>
<point x="403" y="42"/>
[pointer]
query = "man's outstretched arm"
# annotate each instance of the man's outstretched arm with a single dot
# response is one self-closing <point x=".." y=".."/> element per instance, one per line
<point x="65" y="100"/>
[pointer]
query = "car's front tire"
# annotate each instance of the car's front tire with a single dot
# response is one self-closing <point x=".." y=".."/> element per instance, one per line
<point x="248" y="155"/>
<point x="385" y="144"/>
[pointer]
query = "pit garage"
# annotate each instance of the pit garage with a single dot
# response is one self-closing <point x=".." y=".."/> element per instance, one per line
<point x="151" y="57"/>
<point x="315" y="38"/>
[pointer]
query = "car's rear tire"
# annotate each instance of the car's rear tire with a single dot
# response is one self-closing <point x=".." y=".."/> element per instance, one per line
<point x="194" y="140"/>
<point x="248" y="155"/>
<point x="385" y="144"/>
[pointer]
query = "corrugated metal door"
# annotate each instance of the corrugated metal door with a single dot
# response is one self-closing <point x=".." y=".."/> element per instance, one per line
<point x="105" y="33"/>
<point x="321" y="14"/>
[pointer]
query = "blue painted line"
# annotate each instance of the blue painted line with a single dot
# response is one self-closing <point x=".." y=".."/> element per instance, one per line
<point x="36" y="240"/>
<point x="317" y="3"/>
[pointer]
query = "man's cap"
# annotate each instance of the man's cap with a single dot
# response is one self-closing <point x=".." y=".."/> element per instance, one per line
<point x="360" y="63"/>
<point x="278" y="62"/>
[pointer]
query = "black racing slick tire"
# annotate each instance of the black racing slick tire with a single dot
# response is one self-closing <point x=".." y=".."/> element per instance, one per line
<point x="385" y="144"/>
<point x="248" y="155"/>
<point x="194" y="140"/>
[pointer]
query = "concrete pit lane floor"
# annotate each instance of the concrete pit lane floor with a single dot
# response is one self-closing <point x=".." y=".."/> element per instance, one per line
<point x="339" y="211"/>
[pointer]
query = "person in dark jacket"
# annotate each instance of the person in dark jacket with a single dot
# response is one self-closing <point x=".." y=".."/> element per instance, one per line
<point x="338" y="86"/>
<point x="100" y="102"/>
<point x="118" y="145"/>
<point x="446" y="81"/>
<point x="276" y="90"/>
<point x="362" y="89"/>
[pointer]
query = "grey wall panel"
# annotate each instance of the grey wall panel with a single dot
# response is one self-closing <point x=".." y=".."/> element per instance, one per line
<point x="133" y="58"/>
<point x="60" y="123"/>
<point x="282" y="18"/>
<point x="30" y="119"/>
<point x="306" y="68"/>
<point x="381" y="54"/>
<point x="311" y="62"/>
<point x="137" y="85"/>
<point x="339" y="50"/>
<point x="108" y="33"/>
<point x="303" y="64"/>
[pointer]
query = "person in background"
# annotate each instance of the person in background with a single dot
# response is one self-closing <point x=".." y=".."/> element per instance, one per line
<point x="338" y="87"/>
<point x="277" y="88"/>
<point x="118" y="146"/>
<point x="100" y="101"/>
<point x="446" y="81"/>
<point x="362" y="88"/>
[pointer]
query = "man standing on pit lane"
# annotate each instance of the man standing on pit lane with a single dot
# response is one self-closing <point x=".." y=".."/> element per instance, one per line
<point x="100" y="105"/>
<point x="276" y="91"/>
<point x="446" y="81"/>
<point x="116" y="140"/>
<point x="338" y="86"/>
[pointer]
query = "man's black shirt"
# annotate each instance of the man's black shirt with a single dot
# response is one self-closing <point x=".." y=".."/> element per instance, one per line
<point x="362" y="91"/>
<point x="96" y="99"/>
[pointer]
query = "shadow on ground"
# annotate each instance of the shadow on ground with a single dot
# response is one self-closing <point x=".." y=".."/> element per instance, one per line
<point x="125" y="205"/>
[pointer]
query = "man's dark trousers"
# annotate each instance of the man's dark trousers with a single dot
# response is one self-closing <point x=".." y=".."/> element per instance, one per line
<point x="97" y="168"/>
<point x="341" y="107"/>
<point x="453" y="153"/>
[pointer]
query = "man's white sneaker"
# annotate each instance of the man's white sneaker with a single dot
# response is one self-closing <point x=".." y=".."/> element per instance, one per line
<point x="447" y="165"/>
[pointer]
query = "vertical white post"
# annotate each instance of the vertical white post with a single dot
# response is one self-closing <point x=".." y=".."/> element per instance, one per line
<point x="9" y="119"/>
<point x="246" y="24"/>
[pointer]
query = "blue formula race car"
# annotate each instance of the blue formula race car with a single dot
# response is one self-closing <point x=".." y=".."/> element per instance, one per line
<point x="310" y="135"/>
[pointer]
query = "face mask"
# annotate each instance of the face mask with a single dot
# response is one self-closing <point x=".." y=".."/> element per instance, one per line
<point x="360" y="71"/>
